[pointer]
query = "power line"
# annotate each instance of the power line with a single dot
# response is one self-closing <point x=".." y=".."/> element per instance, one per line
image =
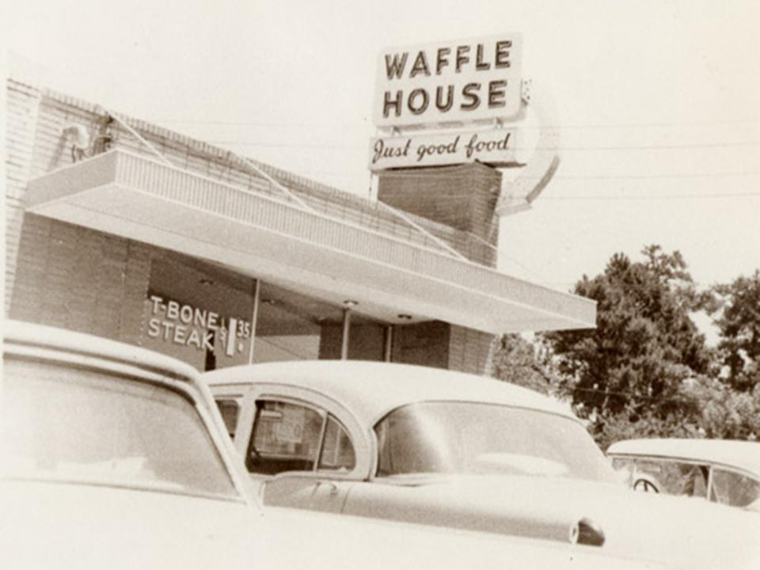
<point x="628" y="176"/>
<point x="660" y="124"/>
<point x="650" y="147"/>
<point x="628" y="394"/>
<point x="657" y="196"/>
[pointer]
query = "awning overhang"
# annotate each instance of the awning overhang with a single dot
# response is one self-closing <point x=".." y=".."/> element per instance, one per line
<point x="331" y="259"/>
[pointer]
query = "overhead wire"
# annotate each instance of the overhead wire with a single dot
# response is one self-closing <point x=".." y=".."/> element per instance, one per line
<point x="655" y="124"/>
<point x="650" y="147"/>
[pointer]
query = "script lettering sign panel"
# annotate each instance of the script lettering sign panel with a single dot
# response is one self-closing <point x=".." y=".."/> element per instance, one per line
<point x="495" y="146"/>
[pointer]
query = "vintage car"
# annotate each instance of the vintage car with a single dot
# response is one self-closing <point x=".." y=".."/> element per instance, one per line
<point x="441" y="448"/>
<point x="115" y="457"/>
<point x="726" y="472"/>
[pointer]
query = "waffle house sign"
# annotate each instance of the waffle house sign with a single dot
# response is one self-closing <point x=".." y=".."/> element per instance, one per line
<point x="449" y="82"/>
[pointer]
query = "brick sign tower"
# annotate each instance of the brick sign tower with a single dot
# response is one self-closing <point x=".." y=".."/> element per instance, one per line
<point x="449" y="146"/>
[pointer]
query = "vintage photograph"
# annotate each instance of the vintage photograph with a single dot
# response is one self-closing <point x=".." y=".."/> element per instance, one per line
<point x="384" y="285"/>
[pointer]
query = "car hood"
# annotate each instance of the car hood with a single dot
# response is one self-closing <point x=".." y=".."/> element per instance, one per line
<point x="59" y="525"/>
<point x="684" y="532"/>
<point x="84" y="527"/>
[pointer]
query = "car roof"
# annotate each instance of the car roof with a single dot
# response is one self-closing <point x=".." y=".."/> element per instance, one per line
<point x="742" y="454"/>
<point x="372" y="389"/>
<point x="18" y="334"/>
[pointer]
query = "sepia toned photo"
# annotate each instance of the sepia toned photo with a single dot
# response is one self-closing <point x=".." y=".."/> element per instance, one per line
<point x="383" y="285"/>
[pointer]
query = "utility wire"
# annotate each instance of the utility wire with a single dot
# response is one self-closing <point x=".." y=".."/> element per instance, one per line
<point x="700" y="123"/>
<point x="656" y="196"/>
<point x="625" y="394"/>
<point x="625" y="176"/>
<point x="649" y="147"/>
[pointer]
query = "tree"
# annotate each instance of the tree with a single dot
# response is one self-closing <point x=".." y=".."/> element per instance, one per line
<point x="739" y="325"/>
<point x="724" y="413"/>
<point x="645" y="344"/>
<point x="515" y="361"/>
<point x="708" y="408"/>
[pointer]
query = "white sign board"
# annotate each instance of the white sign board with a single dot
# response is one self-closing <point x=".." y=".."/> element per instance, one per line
<point x="454" y="81"/>
<point x="495" y="146"/>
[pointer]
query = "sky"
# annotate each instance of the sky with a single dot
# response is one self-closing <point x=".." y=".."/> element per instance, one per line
<point x="657" y="104"/>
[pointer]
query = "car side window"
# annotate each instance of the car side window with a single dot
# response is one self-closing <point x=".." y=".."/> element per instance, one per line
<point x="674" y="477"/>
<point x="337" y="449"/>
<point x="734" y="489"/>
<point x="230" y="411"/>
<point x="285" y="437"/>
<point x="624" y="467"/>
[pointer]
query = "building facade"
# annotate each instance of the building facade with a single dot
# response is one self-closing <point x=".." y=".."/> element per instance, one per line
<point x="126" y="230"/>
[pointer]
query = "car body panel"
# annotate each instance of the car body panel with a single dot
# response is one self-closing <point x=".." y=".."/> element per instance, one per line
<point x="86" y="524"/>
<point x="94" y="528"/>
<point x="661" y="529"/>
<point x="546" y="508"/>
<point x="715" y="459"/>
<point x="740" y="455"/>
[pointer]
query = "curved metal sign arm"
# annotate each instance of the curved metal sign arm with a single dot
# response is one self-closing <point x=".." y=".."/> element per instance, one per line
<point x="518" y="194"/>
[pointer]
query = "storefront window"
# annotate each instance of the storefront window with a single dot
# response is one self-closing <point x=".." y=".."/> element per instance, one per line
<point x="198" y="313"/>
<point x="204" y="315"/>
<point x="289" y="325"/>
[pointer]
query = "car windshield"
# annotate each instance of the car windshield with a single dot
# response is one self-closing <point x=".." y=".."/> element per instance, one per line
<point x="476" y="438"/>
<point x="67" y="424"/>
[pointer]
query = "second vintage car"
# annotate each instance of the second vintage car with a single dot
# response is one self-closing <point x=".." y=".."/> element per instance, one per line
<point x="441" y="448"/>
<point x="726" y="472"/>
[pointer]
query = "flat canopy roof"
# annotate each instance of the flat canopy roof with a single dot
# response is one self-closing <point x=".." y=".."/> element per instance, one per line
<point x="135" y="197"/>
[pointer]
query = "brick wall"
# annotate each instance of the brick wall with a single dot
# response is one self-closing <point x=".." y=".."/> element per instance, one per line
<point x="21" y="119"/>
<point x="79" y="279"/>
<point x="426" y="344"/>
<point x="462" y="197"/>
<point x="469" y="350"/>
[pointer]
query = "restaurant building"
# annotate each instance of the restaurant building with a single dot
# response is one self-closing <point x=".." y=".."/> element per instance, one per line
<point x="122" y="229"/>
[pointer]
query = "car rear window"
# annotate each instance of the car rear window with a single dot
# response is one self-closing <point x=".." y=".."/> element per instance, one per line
<point x="471" y="438"/>
<point x="68" y="424"/>
<point x="734" y="489"/>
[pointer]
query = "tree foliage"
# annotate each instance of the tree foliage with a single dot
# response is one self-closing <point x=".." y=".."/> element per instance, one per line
<point x="739" y="325"/>
<point x="516" y="361"/>
<point x="708" y="408"/>
<point x="645" y="343"/>
<point x="645" y="371"/>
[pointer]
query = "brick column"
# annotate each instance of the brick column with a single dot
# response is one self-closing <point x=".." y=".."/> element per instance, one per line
<point x="21" y="123"/>
<point x="463" y="197"/>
